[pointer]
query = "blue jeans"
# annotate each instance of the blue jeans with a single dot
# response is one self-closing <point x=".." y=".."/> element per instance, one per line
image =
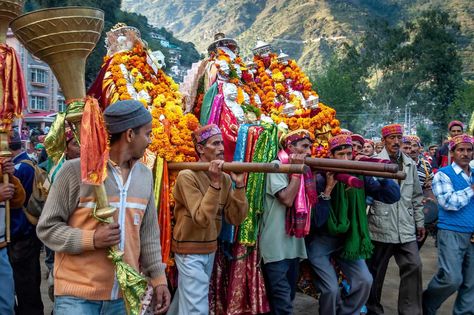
<point x="320" y="249"/>
<point x="280" y="282"/>
<point x="69" y="305"/>
<point x="455" y="273"/>
<point x="194" y="275"/>
<point x="7" y="292"/>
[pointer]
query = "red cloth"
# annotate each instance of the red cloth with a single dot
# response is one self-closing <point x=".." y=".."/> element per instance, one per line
<point x="94" y="147"/>
<point x="13" y="84"/>
<point x="229" y="127"/>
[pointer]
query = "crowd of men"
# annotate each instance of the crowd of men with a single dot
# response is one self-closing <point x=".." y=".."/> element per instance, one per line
<point x="314" y="216"/>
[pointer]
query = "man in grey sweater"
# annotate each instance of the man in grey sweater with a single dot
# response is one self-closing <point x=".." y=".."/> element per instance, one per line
<point x="85" y="280"/>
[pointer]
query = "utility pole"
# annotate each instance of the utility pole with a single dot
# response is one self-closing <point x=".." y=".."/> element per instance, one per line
<point x="409" y="120"/>
<point x="405" y="125"/>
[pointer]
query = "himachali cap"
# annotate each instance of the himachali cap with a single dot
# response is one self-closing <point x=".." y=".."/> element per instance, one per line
<point x="124" y="115"/>
<point x="413" y="138"/>
<point x="464" y="138"/>
<point x="201" y="135"/>
<point x="455" y="123"/>
<point x="296" y="135"/>
<point x="370" y="141"/>
<point x="392" y="129"/>
<point x="357" y="137"/>
<point x="339" y="140"/>
<point x="345" y="132"/>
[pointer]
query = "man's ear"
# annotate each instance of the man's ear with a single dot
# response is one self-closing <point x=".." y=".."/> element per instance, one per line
<point x="129" y="135"/>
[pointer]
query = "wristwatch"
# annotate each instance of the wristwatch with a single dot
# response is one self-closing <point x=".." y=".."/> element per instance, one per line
<point x="324" y="196"/>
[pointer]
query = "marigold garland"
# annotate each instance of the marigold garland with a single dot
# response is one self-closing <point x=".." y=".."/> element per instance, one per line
<point x="274" y="82"/>
<point x="134" y="78"/>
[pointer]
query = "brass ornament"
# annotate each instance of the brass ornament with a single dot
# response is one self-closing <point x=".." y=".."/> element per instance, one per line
<point x="63" y="38"/>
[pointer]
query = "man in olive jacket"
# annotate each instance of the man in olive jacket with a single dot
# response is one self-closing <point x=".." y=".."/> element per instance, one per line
<point x="395" y="228"/>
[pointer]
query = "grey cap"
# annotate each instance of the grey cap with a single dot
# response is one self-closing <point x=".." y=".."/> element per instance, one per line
<point x="124" y="115"/>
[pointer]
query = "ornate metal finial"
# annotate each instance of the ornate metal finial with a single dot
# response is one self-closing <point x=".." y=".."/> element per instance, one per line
<point x="282" y="57"/>
<point x="262" y="48"/>
<point x="219" y="35"/>
<point x="220" y="40"/>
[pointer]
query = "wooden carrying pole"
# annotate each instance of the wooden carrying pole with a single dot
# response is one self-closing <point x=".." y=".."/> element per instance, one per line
<point x="242" y="167"/>
<point x="398" y="175"/>
<point x="324" y="164"/>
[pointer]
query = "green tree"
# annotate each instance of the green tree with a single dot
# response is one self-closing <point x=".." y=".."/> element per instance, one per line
<point x="340" y="85"/>
<point x="463" y="105"/>
<point x="426" y="136"/>
<point x="436" y="65"/>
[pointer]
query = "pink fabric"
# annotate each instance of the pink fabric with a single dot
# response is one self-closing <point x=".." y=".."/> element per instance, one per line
<point x="216" y="108"/>
<point x="298" y="223"/>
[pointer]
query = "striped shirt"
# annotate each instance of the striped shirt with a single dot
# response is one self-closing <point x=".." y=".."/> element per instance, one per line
<point x="425" y="172"/>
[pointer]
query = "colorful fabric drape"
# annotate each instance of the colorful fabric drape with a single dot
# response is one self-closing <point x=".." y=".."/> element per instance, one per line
<point x="164" y="216"/>
<point x="241" y="146"/>
<point x="207" y="104"/>
<point x="228" y="230"/>
<point x="100" y="89"/>
<point x="216" y="108"/>
<point x="248" y="295"/>
<point x="265" y="151"/>
<point x="347" y="217"/>
<point x="55" y="141"/>
<point x="94" y="148"/>
<point x="230" y="128"/>
<point x="298" y="216"/>
<point x="13" y="85"/>
<point x="132" y="283"/>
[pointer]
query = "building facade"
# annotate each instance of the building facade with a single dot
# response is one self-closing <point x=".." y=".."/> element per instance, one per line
<point x="45" y="97"/>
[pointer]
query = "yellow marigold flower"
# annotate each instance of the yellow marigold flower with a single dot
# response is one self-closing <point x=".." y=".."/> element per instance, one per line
<point x="174" y="86"/>
<point x="138" y="86"/>
<point x="125" y="58"/>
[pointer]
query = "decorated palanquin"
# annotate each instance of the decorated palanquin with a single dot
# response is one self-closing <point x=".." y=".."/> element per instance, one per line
<point x="131" y="71"/>
<point x="254" y="104"/>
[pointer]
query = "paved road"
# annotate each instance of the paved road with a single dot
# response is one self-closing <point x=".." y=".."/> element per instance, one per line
<point x="305" y="305"/>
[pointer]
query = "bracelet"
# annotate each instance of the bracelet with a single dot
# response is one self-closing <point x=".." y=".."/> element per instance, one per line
<point x="296" y="176"/>
<point x="239" y="187"/>
<point x="323" y="196"/>
<point x="215" y="187"/>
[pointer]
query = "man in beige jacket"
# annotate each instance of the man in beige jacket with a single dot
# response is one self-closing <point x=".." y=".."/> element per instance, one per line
<point x="394" y="229"/>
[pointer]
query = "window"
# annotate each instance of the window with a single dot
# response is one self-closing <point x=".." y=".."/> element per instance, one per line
<point x="37" y="102"/>
<point x="38" y="76"/>
<point x="61" y="105"/>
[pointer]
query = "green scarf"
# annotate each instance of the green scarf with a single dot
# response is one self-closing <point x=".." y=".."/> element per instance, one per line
<point x="347" y="216"/>
<point x="207" y="104"/>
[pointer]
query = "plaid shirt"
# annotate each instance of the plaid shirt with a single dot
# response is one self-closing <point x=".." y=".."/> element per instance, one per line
<point x="444" y="191"/>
